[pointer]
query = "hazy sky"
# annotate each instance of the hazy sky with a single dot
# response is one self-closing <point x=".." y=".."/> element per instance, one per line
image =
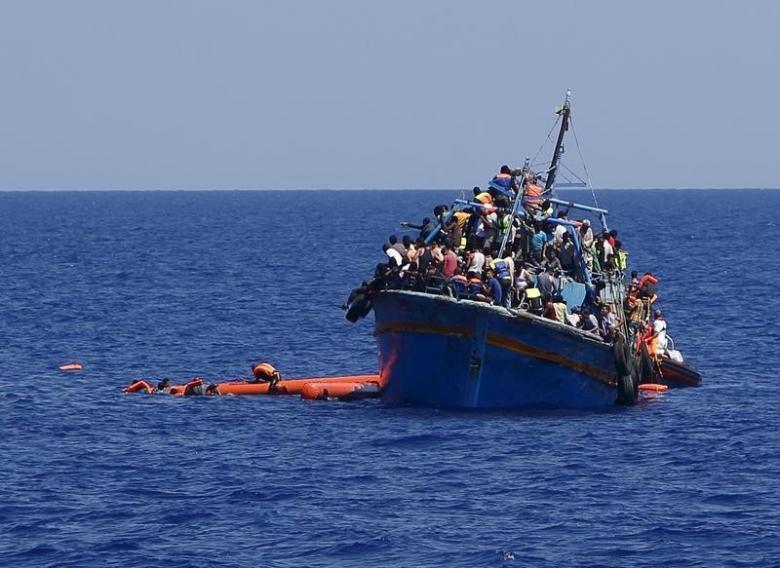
<point x="401" y="94"/>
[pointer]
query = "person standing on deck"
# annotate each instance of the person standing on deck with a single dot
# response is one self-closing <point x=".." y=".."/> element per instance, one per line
<point x="449" y="263"/>
<point x="546" y="282"/>
<point x="658" y="336"/>
<point x="586" y="239"/>
<point x="560" y="230"/>
<point x="621" y="257"/>
<point x="504" y="269"/>
<point x="426" y="227"/>
<point x="476" y="261"/>
<point x="567" y="255"/>
<point x="533" y="195"/>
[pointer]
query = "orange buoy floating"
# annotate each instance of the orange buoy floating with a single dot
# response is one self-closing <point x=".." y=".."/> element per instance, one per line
<point x="653" y="387"/>
<point x="70" y="367"/>
<point x="342" y="391"/>
<point x="288" y="386"/>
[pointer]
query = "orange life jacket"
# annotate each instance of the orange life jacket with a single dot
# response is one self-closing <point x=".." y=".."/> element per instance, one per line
<point x="265" y="371"/>
<point x="532" y="194"/>
<point x="647" y="278"/>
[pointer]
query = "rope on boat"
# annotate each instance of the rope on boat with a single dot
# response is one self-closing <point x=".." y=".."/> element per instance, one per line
<point x="582" y="159"/>
<point x="549" y="138"/>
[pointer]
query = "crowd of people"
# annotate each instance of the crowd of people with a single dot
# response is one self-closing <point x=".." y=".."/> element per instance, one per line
<point x="490" y="250"/>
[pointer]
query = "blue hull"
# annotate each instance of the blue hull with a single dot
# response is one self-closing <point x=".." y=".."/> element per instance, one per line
<point x="437" y="351"/>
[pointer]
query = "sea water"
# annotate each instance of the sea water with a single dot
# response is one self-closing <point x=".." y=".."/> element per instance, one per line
<point x="179" y="284"/>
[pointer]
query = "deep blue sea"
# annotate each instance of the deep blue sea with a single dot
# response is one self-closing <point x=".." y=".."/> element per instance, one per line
<point x="181" y="284"/>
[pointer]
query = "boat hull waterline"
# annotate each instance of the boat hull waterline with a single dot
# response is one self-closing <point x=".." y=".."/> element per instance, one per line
<point x="441" y="352"/>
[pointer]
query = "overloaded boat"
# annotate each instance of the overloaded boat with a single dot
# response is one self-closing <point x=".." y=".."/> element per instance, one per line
<point x="443" y="345"/>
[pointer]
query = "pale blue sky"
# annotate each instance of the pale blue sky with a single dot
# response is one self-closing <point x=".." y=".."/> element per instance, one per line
<point x="402" y="94"/>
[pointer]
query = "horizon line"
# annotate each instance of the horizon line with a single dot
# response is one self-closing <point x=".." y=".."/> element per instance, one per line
<point x="247" y="189"/>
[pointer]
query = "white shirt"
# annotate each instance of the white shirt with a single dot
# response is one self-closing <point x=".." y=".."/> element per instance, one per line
<point x="477" y="262"/>
<point x="607" y="251"/>
<point x="659" y="327"/>
<point x="560" y="230"/>
<point x="395" y="255"/>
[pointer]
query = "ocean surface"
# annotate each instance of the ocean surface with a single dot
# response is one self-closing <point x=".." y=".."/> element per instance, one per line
<point x="179" y="284"/>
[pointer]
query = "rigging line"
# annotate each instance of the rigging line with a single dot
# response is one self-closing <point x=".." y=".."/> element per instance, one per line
<point x="572" y="172"/>
<point x="549" y="137"/>
<point x="584" y="165"/>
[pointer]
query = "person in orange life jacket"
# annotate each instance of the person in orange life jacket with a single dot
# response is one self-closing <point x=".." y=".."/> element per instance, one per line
<point x="265" y="373"/>
<point x="503" y="183"/>
<point x="647" y="289"/>
<point x="658" y="335"/>
<point x="458" y="283"/>
<point x="475" y="287"/>
<point x="532" y="195"/>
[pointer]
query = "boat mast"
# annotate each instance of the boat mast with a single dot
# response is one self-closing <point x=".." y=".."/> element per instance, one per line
<point x="564" y="111"/>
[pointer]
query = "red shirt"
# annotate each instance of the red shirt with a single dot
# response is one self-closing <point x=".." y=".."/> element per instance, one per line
<point x="450" y="264"/>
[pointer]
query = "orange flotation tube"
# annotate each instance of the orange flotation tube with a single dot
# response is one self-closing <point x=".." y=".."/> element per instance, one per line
<point x="324" y="391"/>
<point x="653" y="387"/>
<point x="70" y="367"/>
<point x="289" y="386"/>
<point x="139" y="385"/>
